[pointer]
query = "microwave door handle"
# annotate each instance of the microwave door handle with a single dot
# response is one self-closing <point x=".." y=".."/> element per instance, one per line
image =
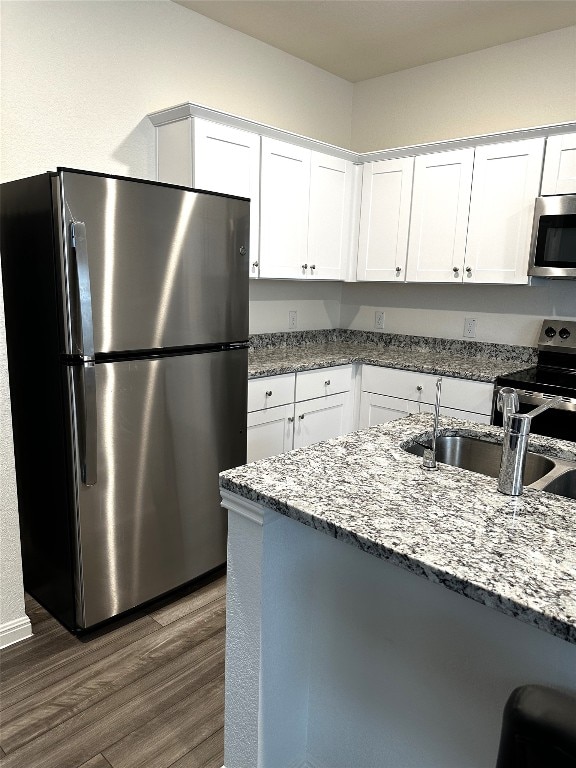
<point x="80" y="247"/>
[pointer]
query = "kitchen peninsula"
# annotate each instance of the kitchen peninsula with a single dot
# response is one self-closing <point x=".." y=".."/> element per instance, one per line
<point x="378" y="614"/>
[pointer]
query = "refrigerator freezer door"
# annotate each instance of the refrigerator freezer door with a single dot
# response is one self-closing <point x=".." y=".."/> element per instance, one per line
<point x="152" y="521"/>
<point x="168" y="267"/>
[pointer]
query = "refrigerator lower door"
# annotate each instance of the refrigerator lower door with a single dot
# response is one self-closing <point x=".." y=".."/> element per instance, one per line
<point x="151" y="521"/>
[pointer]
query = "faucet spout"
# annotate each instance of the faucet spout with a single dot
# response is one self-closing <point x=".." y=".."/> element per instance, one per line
<point x="514" y="447"/>
<point x="429" y="459"/>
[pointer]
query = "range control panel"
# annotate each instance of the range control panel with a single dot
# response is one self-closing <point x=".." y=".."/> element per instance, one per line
<point x="558" y="336"/>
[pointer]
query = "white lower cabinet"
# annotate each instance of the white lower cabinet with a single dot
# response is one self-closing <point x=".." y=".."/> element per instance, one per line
<point x="389" y="394"/>
<point x="321" y="419"/>
<point x="270" y="432"/>
<point x="294" y="410"/>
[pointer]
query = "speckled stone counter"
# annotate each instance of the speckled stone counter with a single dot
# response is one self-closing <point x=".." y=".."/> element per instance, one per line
<point x="279" y="353"/>
<point x="451" y="526"/>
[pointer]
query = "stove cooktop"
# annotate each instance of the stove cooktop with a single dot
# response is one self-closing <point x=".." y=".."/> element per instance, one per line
<point x="541" y="378"/>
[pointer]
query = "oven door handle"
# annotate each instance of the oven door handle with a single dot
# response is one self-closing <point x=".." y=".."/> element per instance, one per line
<point x="529" y="397"/>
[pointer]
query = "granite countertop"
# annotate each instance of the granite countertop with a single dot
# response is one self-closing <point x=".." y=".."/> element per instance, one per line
<point x="452" y="526"/>
<point x="480" y="362"/>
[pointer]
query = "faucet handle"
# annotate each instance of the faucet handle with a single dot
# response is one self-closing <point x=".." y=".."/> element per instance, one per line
<point x="507" y="396"/>
<point x="507" y="402"/>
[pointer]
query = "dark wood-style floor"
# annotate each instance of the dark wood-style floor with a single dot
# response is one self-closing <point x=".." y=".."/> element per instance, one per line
<point x="145" y="692"/>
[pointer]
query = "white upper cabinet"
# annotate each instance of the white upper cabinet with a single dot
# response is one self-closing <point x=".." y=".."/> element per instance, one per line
<point x="305" y="212"/>
<point x="505" y="184"/>
<point x="285" y="183"/>
<point x="206" y="155"/>
<point x="439" y="218"/>
<point x="329" y="217"/>
<point x="559" y="175"/>
<point x="227" y="160"/>
<point x="384" y="219"/>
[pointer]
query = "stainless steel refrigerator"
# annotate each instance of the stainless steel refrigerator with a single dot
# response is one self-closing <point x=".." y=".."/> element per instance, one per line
<point x="126" y="306"/>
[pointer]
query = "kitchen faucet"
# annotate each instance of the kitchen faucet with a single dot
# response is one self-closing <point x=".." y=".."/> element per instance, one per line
<point x="516" y="432"/>
<point x="429" y="458"/>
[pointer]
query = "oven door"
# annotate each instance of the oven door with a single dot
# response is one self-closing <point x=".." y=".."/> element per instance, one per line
<point x="558" y="422"/>
<point x="553" y="245"/>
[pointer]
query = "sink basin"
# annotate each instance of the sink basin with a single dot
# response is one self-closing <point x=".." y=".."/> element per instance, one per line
<point x="562" y="485"/>
<point x="484" y="457"/>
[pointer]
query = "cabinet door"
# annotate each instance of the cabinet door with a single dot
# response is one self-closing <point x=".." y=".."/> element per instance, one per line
<point x="270" y="432"/>
<point x="384" y="219"/>
<point x="559" y="175"/>
<point x="321" y="419"/>
<point x="329" y="217"/>
<point x="227" y="160"/>
<point x="380" y="409"/>
<point x="505" y="184"/>
<point x="285" y="185"/>
<point x="439" y="218"/>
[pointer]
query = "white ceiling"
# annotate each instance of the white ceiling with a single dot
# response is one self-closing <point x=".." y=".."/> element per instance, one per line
<point x="360" y="39"/>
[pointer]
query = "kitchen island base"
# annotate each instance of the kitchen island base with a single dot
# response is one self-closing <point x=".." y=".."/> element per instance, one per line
<point x="339" y="659"/>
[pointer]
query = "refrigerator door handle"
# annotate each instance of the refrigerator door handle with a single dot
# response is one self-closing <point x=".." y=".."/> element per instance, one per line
<point x="88" y="428"/>
<point x="80" y="246"/>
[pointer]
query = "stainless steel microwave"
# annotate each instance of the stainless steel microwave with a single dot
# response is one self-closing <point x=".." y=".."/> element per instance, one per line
<point x="553" y="244"/>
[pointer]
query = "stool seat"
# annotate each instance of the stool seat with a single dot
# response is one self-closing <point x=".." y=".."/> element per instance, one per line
<point x="538" y="729"/>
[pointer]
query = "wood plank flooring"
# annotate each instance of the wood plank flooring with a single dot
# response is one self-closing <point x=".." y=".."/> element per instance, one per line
<point x="146" y="691"/>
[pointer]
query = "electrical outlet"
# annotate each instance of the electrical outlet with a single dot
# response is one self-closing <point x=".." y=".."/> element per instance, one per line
<point x="379" y="320"/>
<point x="469" y="328"/>
<point x="292" y="320"/>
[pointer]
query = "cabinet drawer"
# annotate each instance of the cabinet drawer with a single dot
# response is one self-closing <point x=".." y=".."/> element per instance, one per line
<point x="323" y="381"/>
<point x="475" y="396"/>
<point x="465" y="395"/>
<point x="270" y="391"/>
<point x="397" y="383"/>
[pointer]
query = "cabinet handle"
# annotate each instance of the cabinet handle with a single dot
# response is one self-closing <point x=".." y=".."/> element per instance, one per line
<point x="301" y="416"/>
<point x="327" y="383"/>
<point x="290" y="418"/>
<point x="304" y="266"/>
<point x="269" y="393"/>
<point x="254" y="264"/>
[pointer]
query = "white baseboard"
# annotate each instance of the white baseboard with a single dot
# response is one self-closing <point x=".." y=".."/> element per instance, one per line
<point x="14" y="631"/>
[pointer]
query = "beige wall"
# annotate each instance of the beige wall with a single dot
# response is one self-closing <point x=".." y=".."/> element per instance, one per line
<point x="522" y="84"/>
<point x="79" y="78"/>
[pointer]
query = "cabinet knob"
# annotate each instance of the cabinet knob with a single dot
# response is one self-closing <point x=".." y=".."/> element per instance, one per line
<point x="243" y="250"/>
<point x="327" y="383"/>
<point x="419" y="388"/>
<point x="290" y="419"/>
<point x="301" y="416"/>
<point x="455" y="270"/>
<point x="469" y="271"/>
<point x="269" y="393"/>
<point x="312" y="266"/>
<point x="254" y="264"/>
<point x="398" y="270"/>
<point x="304" y="266"/>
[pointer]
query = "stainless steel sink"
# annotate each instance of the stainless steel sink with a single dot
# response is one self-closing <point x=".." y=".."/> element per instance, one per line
<point x="562" y="485"/>
<point x="482" y="456"/>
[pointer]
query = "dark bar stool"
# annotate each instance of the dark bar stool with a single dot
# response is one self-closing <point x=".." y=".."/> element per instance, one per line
<point x="538" y="729"/>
